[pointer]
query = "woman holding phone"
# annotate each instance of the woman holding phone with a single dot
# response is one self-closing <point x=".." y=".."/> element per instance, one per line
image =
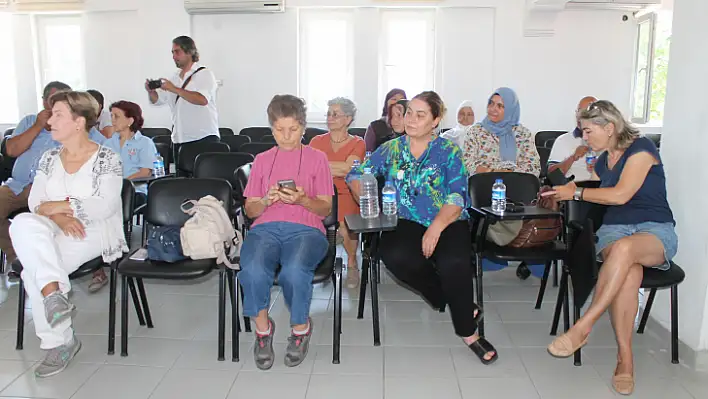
<point x="289" y="193"/>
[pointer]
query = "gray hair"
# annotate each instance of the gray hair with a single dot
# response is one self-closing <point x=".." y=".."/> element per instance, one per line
<point x="287" y="106"/>
<point x="348" y="107"/>
<point x="602" y="113"/>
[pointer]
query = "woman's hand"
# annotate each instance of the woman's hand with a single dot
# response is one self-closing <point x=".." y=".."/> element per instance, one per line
<point x="430" y="239"/>
<point x="70" y="226"/>
<point x="51" y="208"/>
<point x="273" y="196"/>
<point x="293" y="197"/>
<point x="562" y="193"/>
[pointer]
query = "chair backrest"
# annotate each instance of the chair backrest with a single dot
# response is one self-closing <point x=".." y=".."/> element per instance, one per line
<point x="127" y="195"/>
<point x="221" y="165"/>
<point x="268" y="138"/>
<point x="544" y="153"/>
<point x="155" y="131"/>
<point x="226" y="131"/>
<point x="235" y="142"/>
<point x="256" y="148"/>
<point x="241" y="176"/>
<point x="7" y="162"/>
<point x="188" y="153"/>
<point x="655" y="137"/>
<point x="255" y="132"/>
<point x="579" y="211"/>
<point x="311" y="132"/>
<point x="443" y="130"/>
<point x="165" y="196"/>
<point x="357" y="131"/>
<point x="163" y="138"/>
<point x="333" y="217"/>
<point x="520" y="187"/>
<point x="544" y="135"/>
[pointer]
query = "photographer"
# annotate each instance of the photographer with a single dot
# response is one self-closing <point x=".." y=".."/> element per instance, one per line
<point x="190" y="94"/>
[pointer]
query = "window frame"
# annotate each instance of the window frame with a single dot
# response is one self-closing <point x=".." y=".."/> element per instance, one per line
<point x="651" y="19"/>
<point x="305" y="17"/>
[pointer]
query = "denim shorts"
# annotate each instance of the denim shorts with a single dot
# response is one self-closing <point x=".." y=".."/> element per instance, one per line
<point x="609" y="233"/>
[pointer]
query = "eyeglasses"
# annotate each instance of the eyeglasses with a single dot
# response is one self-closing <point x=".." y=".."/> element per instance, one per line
<point x="334" y="115"/>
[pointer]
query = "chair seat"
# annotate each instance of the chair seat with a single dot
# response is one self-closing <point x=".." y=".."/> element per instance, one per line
<point x="83" y="270"/>
<point x="184" y="270"/>
<point x="324" y="269"/>
<point x="655" y="278"/>
<point x="552" y="251"/>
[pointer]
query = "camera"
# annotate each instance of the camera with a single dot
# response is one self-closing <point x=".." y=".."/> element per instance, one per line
<point x="154" y="84"/>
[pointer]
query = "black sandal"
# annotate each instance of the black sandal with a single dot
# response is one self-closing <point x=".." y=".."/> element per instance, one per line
<point x="481" y="347"/>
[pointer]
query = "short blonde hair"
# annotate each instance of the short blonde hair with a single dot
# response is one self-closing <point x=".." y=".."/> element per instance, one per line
<point x="80" y="103"/>
<point x="602" y="113"/>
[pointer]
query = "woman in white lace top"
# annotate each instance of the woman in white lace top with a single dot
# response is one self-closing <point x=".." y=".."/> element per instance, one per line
<point x="76" y="216"/>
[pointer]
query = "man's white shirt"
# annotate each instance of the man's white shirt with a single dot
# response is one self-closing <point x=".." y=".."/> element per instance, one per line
<point x="192" y="122"/>
<point x="565" y="146"/>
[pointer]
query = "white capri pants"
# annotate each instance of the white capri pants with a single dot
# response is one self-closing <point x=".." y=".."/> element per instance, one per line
<point x="48" y="256"/>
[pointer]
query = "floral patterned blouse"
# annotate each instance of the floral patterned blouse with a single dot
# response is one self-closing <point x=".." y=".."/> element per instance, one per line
<point x="482" y="149"/>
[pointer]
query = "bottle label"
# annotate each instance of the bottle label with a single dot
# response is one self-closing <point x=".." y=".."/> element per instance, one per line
<point x="389" y="197"/>
<point x="498" y="194"/>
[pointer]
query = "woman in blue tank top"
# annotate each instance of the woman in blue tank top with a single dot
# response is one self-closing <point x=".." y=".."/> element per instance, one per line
<point x="637" y="229"/>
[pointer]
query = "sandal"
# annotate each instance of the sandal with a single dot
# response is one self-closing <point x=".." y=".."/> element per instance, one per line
<point x="563" y="346"/>
<point x="98" y="281"/>
<point x="481" y="347"/>
<point x="623" y="384"/>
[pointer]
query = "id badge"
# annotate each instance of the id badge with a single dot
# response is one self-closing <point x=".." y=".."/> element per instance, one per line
<point x="399" y="175"/>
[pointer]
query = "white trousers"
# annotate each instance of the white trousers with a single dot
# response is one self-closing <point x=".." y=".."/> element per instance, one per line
<point x="48" y="256"/>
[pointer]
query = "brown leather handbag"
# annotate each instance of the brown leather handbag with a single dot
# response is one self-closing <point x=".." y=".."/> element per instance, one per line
<point x="539" y="232"/>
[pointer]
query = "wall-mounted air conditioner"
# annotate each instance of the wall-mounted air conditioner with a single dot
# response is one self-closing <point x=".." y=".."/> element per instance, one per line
<point x="47" y="5"/>
<point x="233" y="6"/>
<point x="630" y="5"/>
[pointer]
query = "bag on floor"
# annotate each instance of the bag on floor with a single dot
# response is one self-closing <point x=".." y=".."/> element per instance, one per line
<point x="209" y="234"/>
<point x="164" y="244"/>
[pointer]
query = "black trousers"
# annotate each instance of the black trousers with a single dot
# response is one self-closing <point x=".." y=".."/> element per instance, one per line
<point x="444" y="278"/>
<point x="176" y="147"/>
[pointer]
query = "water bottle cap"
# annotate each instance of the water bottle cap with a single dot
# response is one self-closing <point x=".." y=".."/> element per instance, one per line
<point x="367" y="170"/>
<point x="499" y="181"/>
<point x="389" y="181"/>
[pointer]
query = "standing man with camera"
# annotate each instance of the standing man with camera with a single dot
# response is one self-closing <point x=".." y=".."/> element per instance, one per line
<point x="191" y="96"/>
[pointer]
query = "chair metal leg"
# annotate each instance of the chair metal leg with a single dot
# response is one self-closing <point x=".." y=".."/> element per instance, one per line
<point x="544" y="281"/>
<point x="559" y="303"/>
<point x="232" y="298"/>
<point x="144" y="301"/>
<point x="124" y="317"/>
<point x="337" y="322"/>
<point x="480" y="292"/>
<point x="222" y="315"/>
<point x="566" y="307"/>
<point x="577" y="357"/>
<point x="21" y="317"/>
<point x="375" y="292"/>
<point x="112" y="312"/>
<point x="365" y="269"/>
<point x="555" y="273"/>
<point x="235" y="326"/>
<point x="647" y="310"/>
<point x="136" y="301"/>
<point x="674" y="325"/>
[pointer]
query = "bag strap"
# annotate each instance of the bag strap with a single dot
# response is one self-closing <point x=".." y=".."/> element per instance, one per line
<point x="189" y="79"/>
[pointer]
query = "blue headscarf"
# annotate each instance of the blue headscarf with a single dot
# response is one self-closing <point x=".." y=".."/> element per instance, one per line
<point x="503" y="129"/>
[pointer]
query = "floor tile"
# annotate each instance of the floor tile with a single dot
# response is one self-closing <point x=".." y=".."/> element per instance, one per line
<point x="190" y="384"/>
<point x="468" y="365"/>
<point x="345" y="387"/>
<point x="517" y="388"/>
<point x="150" y="352"/>
<point x="354" y="332"/>
<point x="421" y="388"/>
<point x="252" y="384"/>
<point x="550" y="386"/>
<point x="202" y="355"/>
<point x="10" y="370"/>
<point x="120" y="382"/>
<point x="63" y="387"/>
<point x="366" y="359"/>
<point x="418" y="361"/>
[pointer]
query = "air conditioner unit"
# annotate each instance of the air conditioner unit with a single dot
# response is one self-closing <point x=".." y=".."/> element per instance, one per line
<point x="629" y="5"/>
<point x="47" y="5"/>
<point x="233" y="6"/>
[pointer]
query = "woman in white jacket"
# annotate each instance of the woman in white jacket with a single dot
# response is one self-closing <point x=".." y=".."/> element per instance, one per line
<point x="465" y="120"/>
<point x="75" y="216"/>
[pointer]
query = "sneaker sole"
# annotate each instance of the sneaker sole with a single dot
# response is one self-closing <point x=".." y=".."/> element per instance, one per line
<point x="291" y="363"/>
<point x="268" y="367"/>
<point x="73" y="355"/>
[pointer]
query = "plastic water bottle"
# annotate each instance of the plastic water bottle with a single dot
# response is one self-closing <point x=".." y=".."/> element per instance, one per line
<point x="356" y="164"/>
<point x="499" y="196"/>
<point x="367" y="155"/>
<point x="590" y="158"/>
<point x="369" y="197"/>
<point x="388" y="199"/>
<point x="158" y="166"/>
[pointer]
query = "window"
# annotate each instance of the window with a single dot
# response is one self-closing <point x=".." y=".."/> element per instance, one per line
<point x="60" y="50"/>
<point x="408" y="51"/>
<point x="326" y="59"/>
<point x="651" y="67"/>
<point x="8" y="96"/>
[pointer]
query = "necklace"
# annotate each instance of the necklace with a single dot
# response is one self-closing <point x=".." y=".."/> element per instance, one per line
<point x="340" y="141"/>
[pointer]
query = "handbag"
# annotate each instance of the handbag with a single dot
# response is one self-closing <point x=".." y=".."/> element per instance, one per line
<point x="164" y="244"/>
<point x="539" y="232"/>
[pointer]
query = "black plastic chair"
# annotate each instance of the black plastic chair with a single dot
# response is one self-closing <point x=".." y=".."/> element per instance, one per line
<point x="165" y="196"/>
<point x="127" y="196"/>
<point x="312" y="132"/>
<point x="544" y="153"/>
<point x="7" y="162"/>
<point x="165" y="152"/>
<point x="256" y="148"/>
<point x="155" y="131"/>
<point x="235" y="142"/>
<point x="226" y="131"/>
<point x="241" y="176"/>
<point x="8" y="132"/>
<point x="329" y="268"/>
<point x="520" y="187"/>
<point x="255" y="132"/>
<point x="223" y="165"/>
<point x="188" y="153"/>
<point x="655" y="137"/>
<point x="268" y="138"/>
<point x="357" y="131"/>
<point x="542" y="137"/>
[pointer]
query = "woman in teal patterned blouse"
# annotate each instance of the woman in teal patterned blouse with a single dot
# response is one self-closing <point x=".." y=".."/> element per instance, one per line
<point x="431" y="181"/>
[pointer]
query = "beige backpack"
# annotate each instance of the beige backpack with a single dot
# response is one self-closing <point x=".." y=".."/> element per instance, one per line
<point x="208" y="233"/>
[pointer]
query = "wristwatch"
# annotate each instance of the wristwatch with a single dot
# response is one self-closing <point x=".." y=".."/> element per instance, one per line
<point x="578" y="195"/>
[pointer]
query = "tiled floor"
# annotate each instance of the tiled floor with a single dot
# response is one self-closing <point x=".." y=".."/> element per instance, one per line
<point x="420" y="357"/>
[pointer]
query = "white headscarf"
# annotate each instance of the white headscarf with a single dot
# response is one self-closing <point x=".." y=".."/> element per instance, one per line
<point x="458" y="134"/>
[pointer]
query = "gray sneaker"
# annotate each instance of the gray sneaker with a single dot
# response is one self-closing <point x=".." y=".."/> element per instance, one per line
<point x="263" y="352"/>
<point x="297" y="347"/>
<point x="57" y="308"/>
<point x="57" y="359"/>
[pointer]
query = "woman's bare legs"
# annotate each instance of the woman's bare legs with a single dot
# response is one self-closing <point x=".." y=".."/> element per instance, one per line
<point x="623" y="312"/>
<point x="351" y="242"/>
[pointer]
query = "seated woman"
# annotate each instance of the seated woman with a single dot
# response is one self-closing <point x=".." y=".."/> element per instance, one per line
<point x="500" y="143"/>
<point x="76" y="215"/>
<point x="379" y="131"/>
<point x="431" y="182"/>
<point x="637" y="230"/>
<point x="342" y="149"/>
<point x="137" y="153"/>
<point x="465" y="119"/>
<point x="287" y="231"/>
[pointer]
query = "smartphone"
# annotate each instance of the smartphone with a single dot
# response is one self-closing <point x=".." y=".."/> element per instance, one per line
<point x="289" y="184"/>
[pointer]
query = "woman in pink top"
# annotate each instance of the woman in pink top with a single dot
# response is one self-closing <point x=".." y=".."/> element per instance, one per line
<point x="287" y="231"/>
